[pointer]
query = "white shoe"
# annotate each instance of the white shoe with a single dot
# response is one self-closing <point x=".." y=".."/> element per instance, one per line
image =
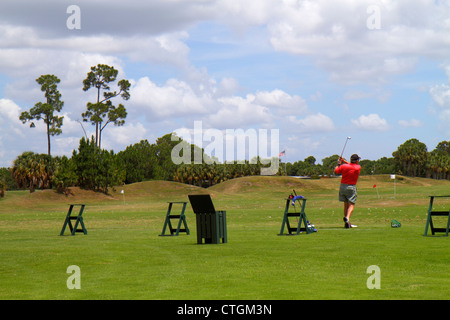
<point x="348" y="225"/>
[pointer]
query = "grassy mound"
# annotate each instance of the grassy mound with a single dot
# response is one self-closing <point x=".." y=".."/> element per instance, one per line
<point x="270" y="189"/>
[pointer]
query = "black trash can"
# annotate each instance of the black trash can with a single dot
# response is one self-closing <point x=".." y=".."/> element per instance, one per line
<point x="211" y="224"/>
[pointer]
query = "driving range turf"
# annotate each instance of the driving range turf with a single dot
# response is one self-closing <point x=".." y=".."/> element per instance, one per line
<point x="123" y="256"/>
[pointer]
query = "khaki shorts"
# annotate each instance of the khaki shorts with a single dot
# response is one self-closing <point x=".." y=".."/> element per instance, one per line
<point x="347" y="193"/>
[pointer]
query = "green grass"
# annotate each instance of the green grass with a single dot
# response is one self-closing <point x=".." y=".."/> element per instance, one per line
<point x="122" y="257"/>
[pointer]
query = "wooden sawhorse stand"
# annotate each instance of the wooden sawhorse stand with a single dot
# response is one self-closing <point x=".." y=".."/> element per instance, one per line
<point x="78" y="218"/>
<point x="432" y="213"/>
<point x="301" y="218"/>
<point x="181" y="217"/>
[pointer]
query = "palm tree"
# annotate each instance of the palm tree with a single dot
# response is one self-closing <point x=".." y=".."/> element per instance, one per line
<point x="411" y="157"/>
<point x="31" y="170"/>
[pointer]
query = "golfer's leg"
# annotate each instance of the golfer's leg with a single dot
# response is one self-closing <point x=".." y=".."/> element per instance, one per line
<point x="350" y="208"/>
<point x="346" y="209"/>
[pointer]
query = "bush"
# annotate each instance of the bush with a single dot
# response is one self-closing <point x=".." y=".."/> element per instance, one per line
<point x="65" y="175"/>
<point x="96" y="169"/>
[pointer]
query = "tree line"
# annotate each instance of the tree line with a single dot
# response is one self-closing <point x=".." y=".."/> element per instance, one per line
<point x="93" y="168"/>
<point x="411" y="158"/>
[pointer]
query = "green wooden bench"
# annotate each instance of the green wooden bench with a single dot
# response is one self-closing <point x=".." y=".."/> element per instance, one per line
<point x="301" y="216"/>
<point x="432" y="214"/>
<point x="78" y="220"/>
<point x="181" y="220"/>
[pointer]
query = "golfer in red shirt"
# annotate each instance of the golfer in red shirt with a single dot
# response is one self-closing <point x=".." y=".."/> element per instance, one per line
<point x="347" y="191"/>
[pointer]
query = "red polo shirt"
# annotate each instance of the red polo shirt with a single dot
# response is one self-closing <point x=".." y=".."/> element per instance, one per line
<point x="350" y="173"/>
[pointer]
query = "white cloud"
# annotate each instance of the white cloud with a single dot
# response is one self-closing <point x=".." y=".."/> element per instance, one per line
<point x="227" y="87"/>
<point x="23" y="46"/>
<point x="175" y="99"/>
<point x="213" y="103"/>
<point x="11" y="128"/>
<point x="281" y="100"/>
<point x="443" y="126"/>
<point x="441" y="95"/>
<point x="243" y="14"/>
<point x="239" y="112"/>
<point x="413" y="123"/>
<point x="124" y="135"/>
<point x="371" y="122"/>
<point x="70" y="67"/>
<point x="336" y="36"/>
<point x="312" y="123"/>
<point x="10" y="111"/>
<point x="13" y="134"/>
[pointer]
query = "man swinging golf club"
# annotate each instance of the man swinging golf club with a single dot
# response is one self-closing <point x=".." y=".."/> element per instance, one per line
<point x="347" y="191"/>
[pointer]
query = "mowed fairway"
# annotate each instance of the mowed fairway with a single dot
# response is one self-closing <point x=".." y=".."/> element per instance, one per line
<point x="122" y="256"/>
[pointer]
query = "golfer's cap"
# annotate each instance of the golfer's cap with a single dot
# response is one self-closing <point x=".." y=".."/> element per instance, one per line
<point x="355" y="157"/>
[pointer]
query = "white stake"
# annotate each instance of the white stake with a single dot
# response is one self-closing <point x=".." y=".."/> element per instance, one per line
<point x="123" y="194"/>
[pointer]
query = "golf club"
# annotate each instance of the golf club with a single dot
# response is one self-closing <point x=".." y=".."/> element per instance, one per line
<point x="348" y="138"/>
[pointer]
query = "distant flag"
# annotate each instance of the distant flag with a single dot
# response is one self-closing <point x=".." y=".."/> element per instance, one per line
<point x="378" y="195"/>
<point x="282" y="153"/>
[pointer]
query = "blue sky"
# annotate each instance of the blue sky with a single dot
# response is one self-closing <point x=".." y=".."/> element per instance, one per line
<point x="314" y="70"/>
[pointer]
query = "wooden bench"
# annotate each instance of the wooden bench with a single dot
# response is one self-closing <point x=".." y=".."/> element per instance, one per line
<point x="181" y="220"/>
<point x="78" y="220"/>
<point x="301" y="216"/>
<point x="432" y="214"/>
